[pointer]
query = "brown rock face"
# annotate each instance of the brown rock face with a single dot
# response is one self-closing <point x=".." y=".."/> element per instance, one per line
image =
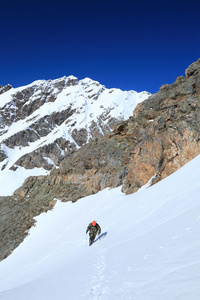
<point x="169" y="136"/>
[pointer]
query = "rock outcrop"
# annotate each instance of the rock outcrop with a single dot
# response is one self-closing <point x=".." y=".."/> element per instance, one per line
<point x="162" y="135"/>
<point x="16" y="218"/>
<point x="5" y="88"/>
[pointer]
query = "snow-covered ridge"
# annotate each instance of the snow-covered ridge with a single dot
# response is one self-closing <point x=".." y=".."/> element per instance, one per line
<point x="45" y="120"/>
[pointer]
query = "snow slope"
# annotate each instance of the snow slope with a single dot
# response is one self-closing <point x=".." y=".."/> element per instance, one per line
<point x="150" y="248"/>
<point x="92" y="104"/>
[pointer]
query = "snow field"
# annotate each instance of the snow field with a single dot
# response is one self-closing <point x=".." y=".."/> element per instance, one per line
<point x="151" y="250"/>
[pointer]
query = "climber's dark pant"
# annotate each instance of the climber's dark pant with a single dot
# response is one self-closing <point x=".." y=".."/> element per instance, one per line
<point x="92" y="238"/>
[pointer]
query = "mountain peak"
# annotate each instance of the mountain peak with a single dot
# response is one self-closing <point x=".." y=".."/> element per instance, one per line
<point x="44" y="121"/>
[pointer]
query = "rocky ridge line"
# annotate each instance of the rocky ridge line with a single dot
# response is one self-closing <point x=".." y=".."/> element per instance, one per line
<point x="5" y="88"/>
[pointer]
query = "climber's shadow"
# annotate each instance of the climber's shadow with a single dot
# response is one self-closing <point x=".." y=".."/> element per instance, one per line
<point x="101" y="236"/>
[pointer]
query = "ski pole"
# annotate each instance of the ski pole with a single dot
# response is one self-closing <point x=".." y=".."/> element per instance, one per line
<point x="86" y="241"/>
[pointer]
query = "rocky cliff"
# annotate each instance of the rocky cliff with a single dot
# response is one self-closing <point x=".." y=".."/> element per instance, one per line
<point x="162" y="135"/>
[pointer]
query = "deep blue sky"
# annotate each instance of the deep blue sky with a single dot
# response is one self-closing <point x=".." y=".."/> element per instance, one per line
<point x="136" y="45"/>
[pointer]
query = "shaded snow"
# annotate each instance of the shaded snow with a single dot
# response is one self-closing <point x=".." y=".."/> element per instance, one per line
<point x="151" y="250"/>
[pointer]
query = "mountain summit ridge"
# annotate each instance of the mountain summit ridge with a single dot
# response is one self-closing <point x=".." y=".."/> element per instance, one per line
<point x="42" y="122"/>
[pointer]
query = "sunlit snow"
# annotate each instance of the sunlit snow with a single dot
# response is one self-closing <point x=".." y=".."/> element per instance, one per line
<point x="149" y="248"/>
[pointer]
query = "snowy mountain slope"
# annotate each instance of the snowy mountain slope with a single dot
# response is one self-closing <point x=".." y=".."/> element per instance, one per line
<point x="151" y="250"/>
<point x="42" y="122"/>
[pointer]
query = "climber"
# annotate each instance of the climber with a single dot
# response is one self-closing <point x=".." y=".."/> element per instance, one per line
<point x="93" y="229"/>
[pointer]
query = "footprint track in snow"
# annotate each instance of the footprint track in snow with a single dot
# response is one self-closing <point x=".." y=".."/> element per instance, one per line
<point x="98" y="288"/>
